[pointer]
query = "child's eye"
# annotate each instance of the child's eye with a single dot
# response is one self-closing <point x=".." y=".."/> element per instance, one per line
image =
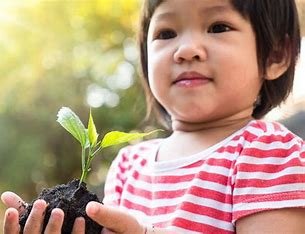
<point x="219" y="28"/>
<point x="166" y="34"/>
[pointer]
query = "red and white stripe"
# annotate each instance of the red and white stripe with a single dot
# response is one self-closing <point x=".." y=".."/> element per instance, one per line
<point x="260" y="167"/>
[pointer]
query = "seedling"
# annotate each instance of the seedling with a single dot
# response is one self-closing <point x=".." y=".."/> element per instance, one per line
<point x="88" y="137"/>
<point x="73" y="196"/>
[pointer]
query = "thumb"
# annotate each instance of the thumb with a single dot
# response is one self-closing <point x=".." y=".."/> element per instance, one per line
<point x="113" y="219"/>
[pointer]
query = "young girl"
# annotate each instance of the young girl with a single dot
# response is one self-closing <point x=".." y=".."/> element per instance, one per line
<point x="212" y="69"/>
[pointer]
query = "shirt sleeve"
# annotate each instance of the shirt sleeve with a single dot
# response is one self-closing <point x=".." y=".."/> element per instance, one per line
<point x="115" y="179"/>
<point x="269" y="174"/>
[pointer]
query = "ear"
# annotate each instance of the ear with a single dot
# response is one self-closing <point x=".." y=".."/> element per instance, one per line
<point x="276" y="69"/>
<point x="278" y="61"/>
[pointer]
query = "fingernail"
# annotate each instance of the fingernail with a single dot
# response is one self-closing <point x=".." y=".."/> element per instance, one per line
<point x="39" y="204"/>
<point x="92" y="208"/>
<point x="56" y="213"/>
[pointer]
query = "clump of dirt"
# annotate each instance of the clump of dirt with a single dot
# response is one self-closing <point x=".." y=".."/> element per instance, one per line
<point x="72" y="199"/>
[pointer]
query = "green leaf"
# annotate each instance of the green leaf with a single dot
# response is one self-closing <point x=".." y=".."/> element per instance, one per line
<point x="116" y="137"/>
<point x="92" y="133"/>
<point x="71" y="122"/>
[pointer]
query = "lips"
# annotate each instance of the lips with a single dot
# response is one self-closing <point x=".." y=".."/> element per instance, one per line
<point x="191" y="79"/>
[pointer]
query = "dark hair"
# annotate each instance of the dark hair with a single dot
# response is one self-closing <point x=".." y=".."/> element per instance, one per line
<point x="276" y="26"/>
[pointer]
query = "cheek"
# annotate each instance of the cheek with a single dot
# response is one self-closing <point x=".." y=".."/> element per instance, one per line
<point x="157" y="75"/>
<point x="150" y="63"/>
<point x="239" y="67"/>
<point x="154" y="66"/>
<point x="152" y="73"/>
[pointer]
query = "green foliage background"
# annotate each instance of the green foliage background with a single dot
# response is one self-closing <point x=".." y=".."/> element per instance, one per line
<point x="63" y="53"/>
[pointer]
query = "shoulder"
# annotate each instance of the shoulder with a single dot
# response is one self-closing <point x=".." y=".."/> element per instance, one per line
<point x="143" y="146"/>
<point x="266" y="128"/>
<point x="264" y="135"/>
<point x="139" y="151"/>
<point x="132" y="157"/>
<point x="270" y="150"/>
<point x="269" y="171"/>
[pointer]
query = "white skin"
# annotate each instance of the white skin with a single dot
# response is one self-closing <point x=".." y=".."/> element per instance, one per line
<point x="203" y="70"/>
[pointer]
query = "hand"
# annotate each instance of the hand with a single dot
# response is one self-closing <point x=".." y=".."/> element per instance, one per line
<point x="35" y="220"/>
<point x="113" y="220"/>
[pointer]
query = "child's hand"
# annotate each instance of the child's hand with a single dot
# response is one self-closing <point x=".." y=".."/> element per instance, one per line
<point x="113" y="220"/>
<point x="34" y="222"/>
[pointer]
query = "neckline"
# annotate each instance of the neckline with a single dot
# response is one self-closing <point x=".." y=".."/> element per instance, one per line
<point x="162" y="166"/>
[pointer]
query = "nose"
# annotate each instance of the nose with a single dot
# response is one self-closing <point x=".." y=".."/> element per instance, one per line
<point x="190" y="48"/>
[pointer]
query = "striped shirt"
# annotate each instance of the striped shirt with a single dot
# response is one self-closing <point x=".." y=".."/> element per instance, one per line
<point x="260" y="167"/>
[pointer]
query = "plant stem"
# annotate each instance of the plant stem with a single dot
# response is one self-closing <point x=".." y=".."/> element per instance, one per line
<point x="86" y="162"/>
<point x="84" y="174"/>
<point x="98" y="149"/>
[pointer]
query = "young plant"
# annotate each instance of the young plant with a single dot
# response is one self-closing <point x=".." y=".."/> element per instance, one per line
<point x="88" y="137"/>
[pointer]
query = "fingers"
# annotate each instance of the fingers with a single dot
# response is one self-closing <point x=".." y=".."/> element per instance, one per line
<point x="113" y="219"/>
<point x="34" y="222"/>
<point x="55" y="222"/>
<point x="79" y="226"/>
<point x="11" y="199"/>
<point x="11" y="221"/>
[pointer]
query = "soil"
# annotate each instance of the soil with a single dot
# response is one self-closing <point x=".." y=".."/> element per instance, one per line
<point x="72" y="199"/>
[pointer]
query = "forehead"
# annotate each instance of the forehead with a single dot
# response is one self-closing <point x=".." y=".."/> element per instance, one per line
<point x="169" y="8"/>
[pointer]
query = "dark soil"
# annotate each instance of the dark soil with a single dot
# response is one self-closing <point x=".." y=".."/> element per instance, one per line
<point x="72" y="199"/>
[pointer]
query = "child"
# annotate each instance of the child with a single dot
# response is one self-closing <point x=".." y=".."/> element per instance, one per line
<point x="212" y="69"/>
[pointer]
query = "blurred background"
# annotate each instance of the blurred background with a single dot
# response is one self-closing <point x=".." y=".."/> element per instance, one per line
<point x="80" y="54"/>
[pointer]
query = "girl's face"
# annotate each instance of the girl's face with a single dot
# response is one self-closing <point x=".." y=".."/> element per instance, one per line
<point x="202" y="62"/>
